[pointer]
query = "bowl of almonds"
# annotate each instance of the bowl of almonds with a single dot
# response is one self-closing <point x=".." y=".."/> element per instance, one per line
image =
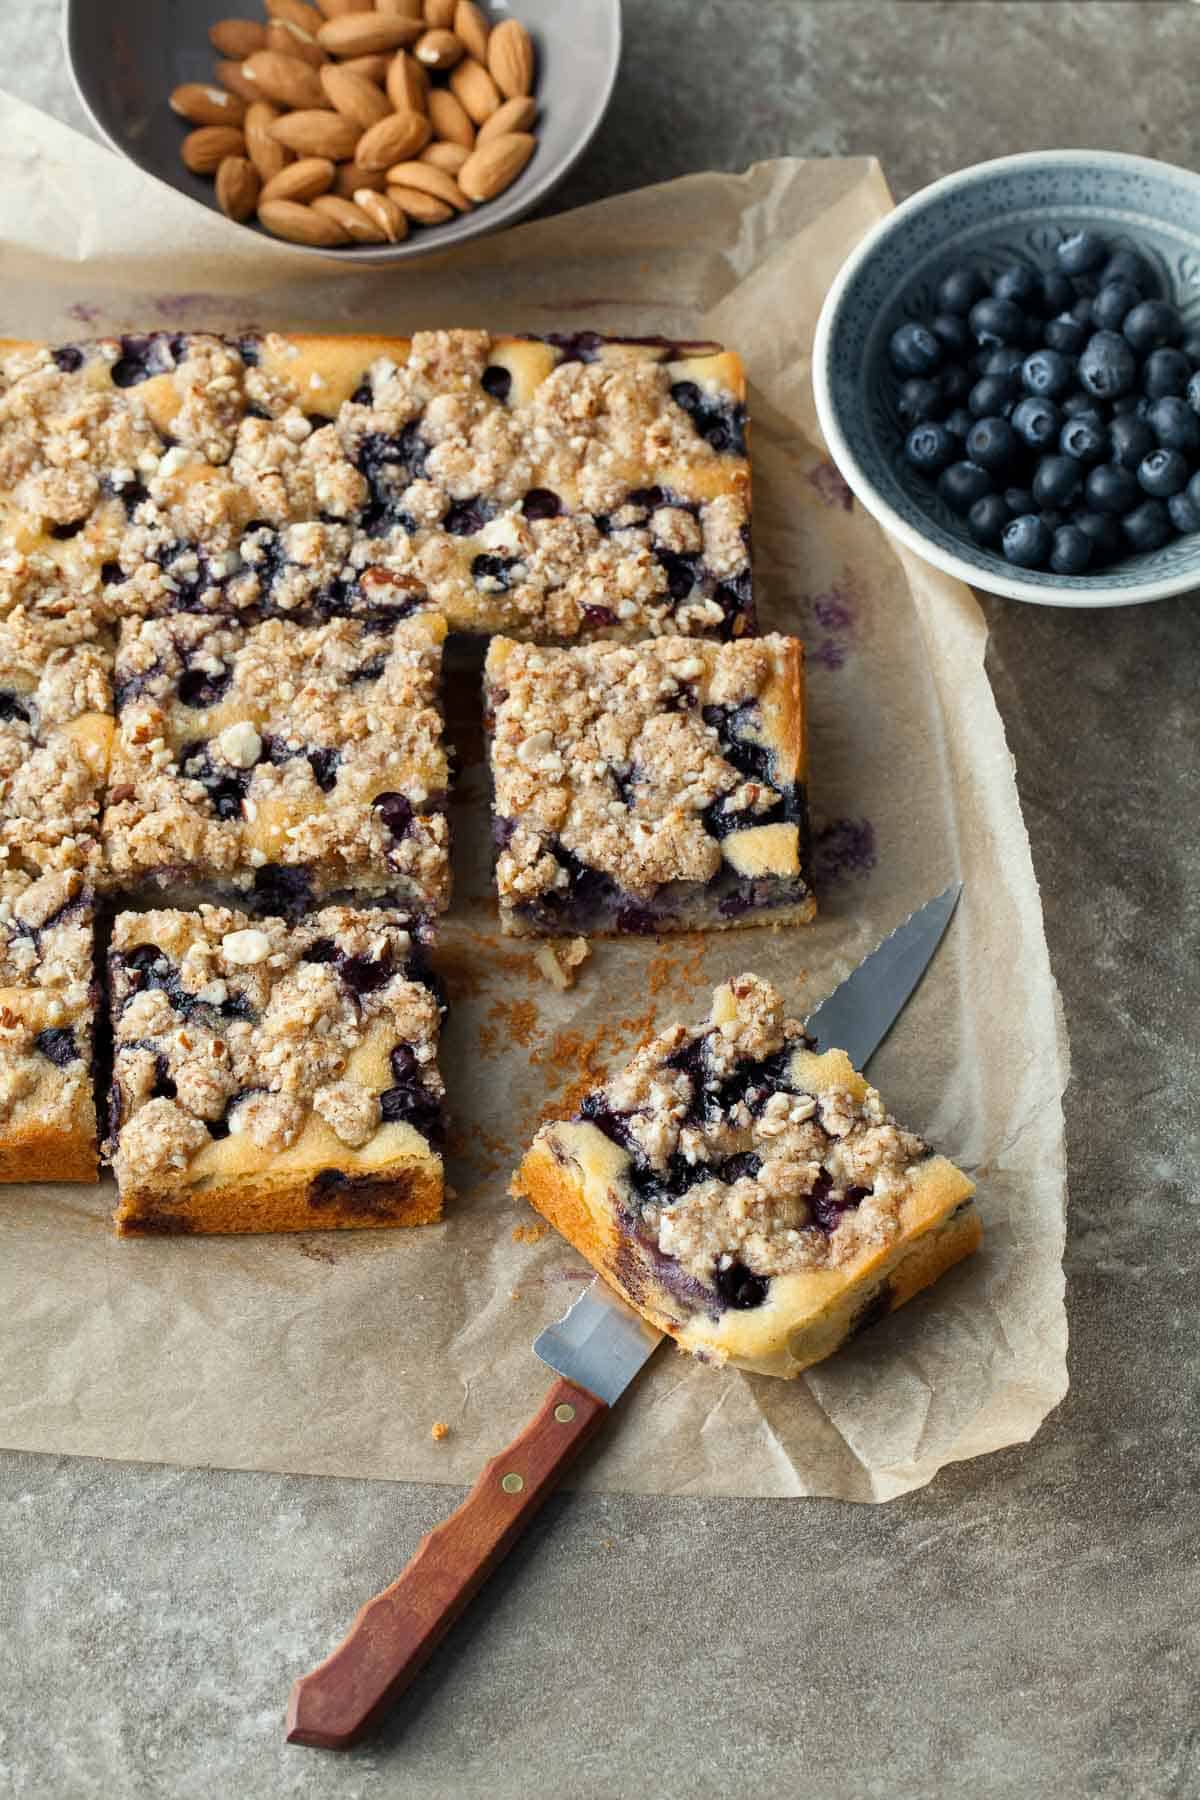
<point x="367" y="131"/>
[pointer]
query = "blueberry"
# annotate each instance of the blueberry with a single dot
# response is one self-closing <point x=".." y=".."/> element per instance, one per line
<point x="1127" y="265"/>
<point x="1071" y="551"/>
<point x="1056" y="481"/>
<point x="1148" y="526"/>
<point x="497" y="382"/>
<point x="1166" y="372"/>
<point x="1131" y="439"/>
<point x="1193" y="491"/>
<point x="1052" y="517"/>
<point x="396" y="812"/>
<point x="1108" y="366"/>
<point x="1112" y="304"/>
<point x="996" y="322"/>
<point x="929" y="447"/>
<point x="1111" y="489"/>
<point x="920" y="399"/>
<point x="987" y="519"/>
<point x="962" y="484"/>
<point x="1005" y="360"/>
<point x="1082" y="253"/>
<point x="1076" y="402"/>
<point x="959" y="289"/>
<point x="1152" y="325"/>
<point x="1193" y="392"/>
<point x="1036" y="422"/>
<point x="1104" y="532"/>
<point x="1174" y="424"/>
<point x="960" y="421"/>
<point x="1191" y="347"/>
<point x="951" y="329"/>
<point x="1057" y="292"/>
<point x="914" y="350"/>
<point x="1026" y="542"/>
<point x="1047" y="373"/>
<point x="1084" y="310"/>
<point x="954" y="384"/>
<point x="1018" y="500"/>
<point x="1183" y="515"/>
<point x="1086" y="438"/>
<point x="1163" y="473"/>
<point x="992" y="396"/>
<point x="1066" y="334"/>
<point x="992" y="443"/>
<point x="1019" y="284"/>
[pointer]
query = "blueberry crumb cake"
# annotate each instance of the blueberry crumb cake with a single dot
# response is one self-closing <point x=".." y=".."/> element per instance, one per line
<point x="750" y="1197"/>
<point x="271" y="1075"/>
<point x="650" y="787"/>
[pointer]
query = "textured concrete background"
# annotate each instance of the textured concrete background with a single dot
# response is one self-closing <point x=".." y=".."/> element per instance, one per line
<point x="1025" y="1627"/>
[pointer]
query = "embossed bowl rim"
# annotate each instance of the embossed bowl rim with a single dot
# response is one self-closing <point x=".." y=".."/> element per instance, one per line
<point x="978" y="573"/>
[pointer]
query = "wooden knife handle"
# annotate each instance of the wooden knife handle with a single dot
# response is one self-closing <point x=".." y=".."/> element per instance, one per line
<point x="397" y="1631"/>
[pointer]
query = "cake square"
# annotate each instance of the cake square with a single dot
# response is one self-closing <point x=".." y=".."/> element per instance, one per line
<point x="271" y="1075"/>
<point x="750" y="1197"/>
<point x="554" y="488"/>
<point x="651" y="787"/>
<point x="48" y="996"/>
<point x="286" y="763"/>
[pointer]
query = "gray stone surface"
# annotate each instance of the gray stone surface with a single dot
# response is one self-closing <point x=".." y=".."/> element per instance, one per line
<point x="1024" y="1627"/>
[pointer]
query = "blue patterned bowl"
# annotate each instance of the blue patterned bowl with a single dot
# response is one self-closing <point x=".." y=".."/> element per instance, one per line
<point x="1012" y="210"/>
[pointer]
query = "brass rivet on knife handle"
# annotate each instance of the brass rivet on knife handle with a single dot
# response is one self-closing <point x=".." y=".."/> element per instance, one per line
<point x="512" y="1483"/>
<point x="564" y="1413"/>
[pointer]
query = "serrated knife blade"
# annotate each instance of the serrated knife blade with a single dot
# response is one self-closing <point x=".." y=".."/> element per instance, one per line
<point x="861" y="1010"/>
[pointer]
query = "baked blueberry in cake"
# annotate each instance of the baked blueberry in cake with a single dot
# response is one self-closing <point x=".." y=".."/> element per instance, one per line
<point x="271" y="1075"/>
<point x="47" y="1004"/>
<point x="289" y="763"/>
<point x="554" y="489"/>
<point x="651" y="787"/>
<point x="750" y="1197"/>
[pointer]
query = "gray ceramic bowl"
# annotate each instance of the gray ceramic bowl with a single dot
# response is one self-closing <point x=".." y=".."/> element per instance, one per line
<point x="1013" y="210"/>
<point x="127" y="55"/>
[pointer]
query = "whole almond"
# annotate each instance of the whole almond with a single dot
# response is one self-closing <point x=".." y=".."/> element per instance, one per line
<point x="495" y="165"/>
<point x="407" y="83"/>
<point x="439" y="49"/>
<point x="475" y="90"/>
<point x="450" y="157"/>
<point x="440" y="13"/>
<point x="399" y="9"/>
<point x="359" y="227"/>
<point x="450" y="122"/>
<point x="237" y="187"/>
<point x="300" y="181"/>
<point x="317" y="134"/>
<point x="300" y="224"/>
<point x="471" y="26"/>
<point x="267" y="156"/>
<point x="200" y="104"/>
<point x="334" y="9"/>
<point x="421" y="206"/>
<point x="394" y="140"/>
<point x="366" y="33"/>
<point x="237" y="38"/>
<point x="387" y="213"/>
<point x="356" y="99"/>
<point x="349" y="178"/>
<point x="428" y="179"/>
<point x="284" y="79"/>
<point x="296" y="13"/>
<point x="510" y="58"/>
<point x="289" y="40"/>
<point x="514" y="115"/>
<point x="371" y="68"/>
<point x="204" y="151"/>
<point x="231" y="76"/>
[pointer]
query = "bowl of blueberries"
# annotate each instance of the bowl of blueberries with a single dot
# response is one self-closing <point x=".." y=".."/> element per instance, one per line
<point x="1007" y="374"/>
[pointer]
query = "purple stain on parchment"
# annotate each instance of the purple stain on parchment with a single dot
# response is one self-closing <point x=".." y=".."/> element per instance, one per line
<point x="178" y="306"/>
<point x="833" y="630"/>
<point x="84" y="311"/>
<point x="830" y="486"/>
<point x="843" y="850"/>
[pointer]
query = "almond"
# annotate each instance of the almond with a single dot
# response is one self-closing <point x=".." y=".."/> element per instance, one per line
<point x="496" y="165"/>
<point x="359" y="227"/>
<point x="428" y="179"/>
<point x="400" y="9"/>
<point x="420" y="206"/>
<point x="510" y="58"/>
<point x="387" y="213"/>
<point x="471" y="25"/>
<point x="295" y="12"/>
<point x="371" y="68"/>
<point x="300" y="224"/>
<point x="289" y="40"/>
<point x="200" y="104"/>
<point x="407" y="83"/>
<point x="237" y="187"/>
<point x="300" y="181"/>
<point x="394" y="140"/>
<point x="267" y="156"/>
<point x="237" y="38"/>
<point x="284" y="79"/>
<point x="475" y="90"/>
<point x="439" y="50"/>
<point x="349" y="178"/>
<point x="514" y="115"/>
<point x="317" y="134"/>
<point x="450" y="122"/>
<point x="231" y="76"/>
<point x="205" y="150"/>
<point x="334" y="9"/>
<point x="360" y="101"/>
<point x="440" y="13"/>
<point x="366" y="33"/>
<point x="450" y="157"/>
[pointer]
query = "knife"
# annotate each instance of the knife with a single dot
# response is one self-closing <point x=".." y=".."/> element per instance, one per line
<point x="595" y="1350"/>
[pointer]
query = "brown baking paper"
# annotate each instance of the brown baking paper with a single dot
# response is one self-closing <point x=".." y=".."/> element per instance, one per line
<point x="335" y="1353"/>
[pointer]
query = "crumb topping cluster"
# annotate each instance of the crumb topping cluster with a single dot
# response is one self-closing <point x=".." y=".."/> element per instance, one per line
<point x="55" y="733"/>
<point x="46" y="978"/>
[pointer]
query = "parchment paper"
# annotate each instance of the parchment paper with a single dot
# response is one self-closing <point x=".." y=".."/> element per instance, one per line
<point x="334" y="1353"/>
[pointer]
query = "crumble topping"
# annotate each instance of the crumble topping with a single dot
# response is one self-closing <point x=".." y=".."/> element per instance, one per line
<point x="45" y="1004"/>
<point x="55" y="731"/>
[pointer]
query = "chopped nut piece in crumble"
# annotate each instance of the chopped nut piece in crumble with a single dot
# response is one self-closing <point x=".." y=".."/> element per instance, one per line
<point x="559" y="962"/>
